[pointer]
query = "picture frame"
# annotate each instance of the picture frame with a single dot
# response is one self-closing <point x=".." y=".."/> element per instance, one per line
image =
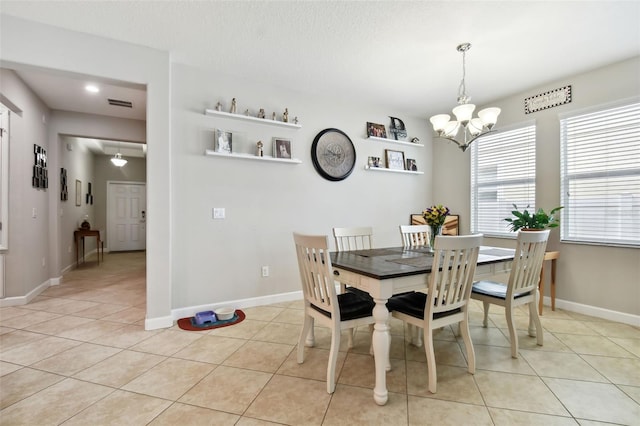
<point x="78" y="192"/>
<point x="282" y="148"/>
<point x="374" y="162"/>
<point x="411" y="165"/>
<point x="376" y="130"/>
<point x="394" y="159"/>
<point x="223" y="141"/>
<point x="451" y="223"/>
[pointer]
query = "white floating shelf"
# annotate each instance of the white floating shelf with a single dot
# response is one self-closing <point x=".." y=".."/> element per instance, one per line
<point x="264" y="121"/>
<point x="374" y="138"/>
<point x="384" y="169"/>
<point x="252" y="157"/>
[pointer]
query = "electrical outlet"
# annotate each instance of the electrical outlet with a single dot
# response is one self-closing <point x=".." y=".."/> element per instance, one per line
<point x="265" y="271"/>
<point x="218" y="213"/>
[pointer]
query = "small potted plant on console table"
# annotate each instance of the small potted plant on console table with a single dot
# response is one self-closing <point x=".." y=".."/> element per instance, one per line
<point x="534" y="221"/>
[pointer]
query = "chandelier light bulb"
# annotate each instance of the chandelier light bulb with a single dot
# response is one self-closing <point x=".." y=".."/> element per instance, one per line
<point x="118" y="161"/>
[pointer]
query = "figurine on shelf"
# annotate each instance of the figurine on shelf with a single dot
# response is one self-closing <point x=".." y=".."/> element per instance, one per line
<point x="261" y="113"/>
<point x="415" y="140"/>
<point x="233" y="106"/>
<point x="295" y="120"/>
<point x="246" y="112"/>
<point x="273" y="116"/>
<point x="285" y="115"/>
<point x="259" y="151"/>
<point x="218" y="106"/>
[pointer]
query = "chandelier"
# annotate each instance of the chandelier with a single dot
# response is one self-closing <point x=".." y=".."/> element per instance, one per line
<point x="117" y="159"/>
<point x="471" y="127"/>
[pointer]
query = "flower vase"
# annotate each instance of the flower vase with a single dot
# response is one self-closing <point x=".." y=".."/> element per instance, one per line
<point x="435" y="231"/>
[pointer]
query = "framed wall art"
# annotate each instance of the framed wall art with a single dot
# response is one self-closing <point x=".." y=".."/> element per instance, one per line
<point x="411" y="165"/>
<point x="281" y="148"/>
<point x="64" y="190"/>
<point x="376" y="130"/>
<point x="394" y="159"/>
<point x="78" y="192"/>
<point x="40" y="177"/>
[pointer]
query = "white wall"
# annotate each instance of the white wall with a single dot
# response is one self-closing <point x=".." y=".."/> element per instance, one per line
<point x="607" y="278"/>
<point x="220" y="260"/>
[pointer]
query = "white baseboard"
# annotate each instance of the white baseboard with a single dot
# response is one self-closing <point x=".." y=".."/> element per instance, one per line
<point x="159" y="322"/>
<point x="595" y="311"/>
<point x="23" y="300"/>
<point x="56" y="281"/>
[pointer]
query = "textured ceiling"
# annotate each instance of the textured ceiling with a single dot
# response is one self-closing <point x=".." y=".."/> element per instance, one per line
<point x="399" y="54"/>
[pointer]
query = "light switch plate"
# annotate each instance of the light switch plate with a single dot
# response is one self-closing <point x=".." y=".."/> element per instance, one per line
<point x="218" y="213"/>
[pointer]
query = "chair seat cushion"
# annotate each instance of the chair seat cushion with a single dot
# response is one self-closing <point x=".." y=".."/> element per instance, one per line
<point x="352" y="306"/>
<point x="494" y="289"/>
<point x="413" y="303"/>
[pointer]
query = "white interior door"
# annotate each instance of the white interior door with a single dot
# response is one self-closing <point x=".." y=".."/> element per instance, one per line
<point x="126" y="216"/>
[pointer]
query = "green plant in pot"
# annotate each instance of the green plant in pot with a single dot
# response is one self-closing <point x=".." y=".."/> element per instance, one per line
<point x="535" y="220"/>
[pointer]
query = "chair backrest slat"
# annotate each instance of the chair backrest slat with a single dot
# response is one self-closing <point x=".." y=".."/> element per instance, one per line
<point x="348" y="239"/>
<point x="451" y="278"/>
<point x="415" y="235"/>
<point x="316" y="272"/>
<point x="527" y="263"/>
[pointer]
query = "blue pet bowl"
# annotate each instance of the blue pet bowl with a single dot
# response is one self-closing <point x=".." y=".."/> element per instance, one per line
<point x="206" y="317"/>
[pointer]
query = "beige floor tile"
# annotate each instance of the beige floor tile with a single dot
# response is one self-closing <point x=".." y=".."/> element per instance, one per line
<point x="522" y="321"/>
<point x="631" y="345"/>
<point x="6" y="330"/>
<point x="125" y="336"/>
<point x="505" y="390"/>
<point x="503" y="417"/>
<point x="621" y="371"/>
<point x="614" y="329"/>
<point x="55" y="404"/>
<point x="183" y="414"/>
<point x="595" y="401"/>
<point x="58" y="326"/>
<point x="128" y="316"/>
<point x="243" y="330"/>
<point x="16" y="338"/>
<point x="290" y="316"/>
<point x="248" y="421"/>
<point x="593" y="345"/>
<point x="314" y="365"/>
<point x="170" y="379"/>
<point x="211" y="349"/>
<point x="551" y="342"/>
<point x="495" y="358"/>
<point x="427" y="411"/>
<point x="31" y="319"/>
<point x="454" y="383"/>
<point x="120" y="369"/>
<point x="562" y="366"/>
<point x="9" y="312"/>
<point x="291" y="400"/>
<point x="120" y="408"/>
<point x="100" y="311"/>
<point x="167" y="342"/>
<point x="261" y="356"/>
<point x="488" y="336"/>
<point x="632" y="391"/>
<point x="446" y="352"/>
<point x="567" y="326"/>
<point x="227" y="389"/>
<point x="281" y="333"/>
<point x="22" y="383"/>
<point x="262" y="313"/>
<point x="76" y="359"/>
<point x="355" y="406"/>
<point x="91" y="330"/>
<point x="359" y="370"/>
<point x="7" y="367"/>
<point x="37" y="350"/>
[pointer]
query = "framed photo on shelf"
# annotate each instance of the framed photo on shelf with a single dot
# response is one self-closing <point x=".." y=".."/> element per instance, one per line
<point x="451" y="223"/>
<point x="281" y="148"/>
<point x="78" y="192"/>
<point x="224" y="141"/>
<point x="394" y="159"/>
<point x="376" y="130"/>
<point x="411" y="165"/>
<point x="374" y="162"/>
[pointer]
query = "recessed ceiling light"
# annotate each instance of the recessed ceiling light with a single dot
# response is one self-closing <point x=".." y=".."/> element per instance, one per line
<point x="91" y="88"/>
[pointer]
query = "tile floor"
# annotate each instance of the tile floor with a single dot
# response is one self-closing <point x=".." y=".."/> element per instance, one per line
<point x="79" y="355"/>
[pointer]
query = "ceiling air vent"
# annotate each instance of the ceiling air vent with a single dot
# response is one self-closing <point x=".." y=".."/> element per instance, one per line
<point x="116" y="102"/>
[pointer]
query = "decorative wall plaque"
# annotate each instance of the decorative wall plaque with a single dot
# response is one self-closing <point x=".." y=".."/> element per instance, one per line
<point x="547" y="100"/>
<point x="40" y="178"/>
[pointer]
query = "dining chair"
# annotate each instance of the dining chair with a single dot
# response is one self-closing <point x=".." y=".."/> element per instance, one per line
<point x="415" y="235"/>
<point x="521" y="288"/>
<point x="447" y="298"/>
<point x="347" y="239"/>
<point x="322" y="303"/>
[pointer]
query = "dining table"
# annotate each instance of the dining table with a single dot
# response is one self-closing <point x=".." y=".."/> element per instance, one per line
<point x="383" y="272"/>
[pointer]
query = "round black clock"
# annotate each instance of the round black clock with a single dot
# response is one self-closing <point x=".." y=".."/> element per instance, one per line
<point x="333" y="154"/>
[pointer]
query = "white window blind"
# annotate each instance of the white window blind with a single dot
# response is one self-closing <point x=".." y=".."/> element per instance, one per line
<point x="601" y="176"/>
<point x="503" y="173"/>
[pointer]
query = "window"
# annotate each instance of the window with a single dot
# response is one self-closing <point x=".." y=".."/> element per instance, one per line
<point x="600" y="163"/>
<point x="503" y="173"/>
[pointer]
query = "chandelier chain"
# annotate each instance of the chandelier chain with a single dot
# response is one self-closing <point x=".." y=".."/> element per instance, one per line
<point x="462" y="89"/>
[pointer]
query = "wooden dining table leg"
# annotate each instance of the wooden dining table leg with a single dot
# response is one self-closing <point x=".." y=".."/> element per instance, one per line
<point x="381" y="342"/>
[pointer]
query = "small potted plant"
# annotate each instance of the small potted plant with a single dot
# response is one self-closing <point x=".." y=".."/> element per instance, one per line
<point x="534" y="221"/>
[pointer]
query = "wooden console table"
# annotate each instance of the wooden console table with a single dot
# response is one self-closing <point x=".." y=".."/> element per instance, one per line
<point x="553" y="257"/>
<point x="80" y="234"/>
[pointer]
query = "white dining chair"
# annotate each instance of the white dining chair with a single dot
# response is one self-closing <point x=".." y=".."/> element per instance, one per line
<point x="521" y="289"/>
<point x="415" y="235"/>
<point x="358" y="238"/>
<point x="447" y="299"/>
<point x="321" y="302"/>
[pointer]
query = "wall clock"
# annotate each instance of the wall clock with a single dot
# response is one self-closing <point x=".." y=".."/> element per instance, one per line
<point x="333" y="154"/>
